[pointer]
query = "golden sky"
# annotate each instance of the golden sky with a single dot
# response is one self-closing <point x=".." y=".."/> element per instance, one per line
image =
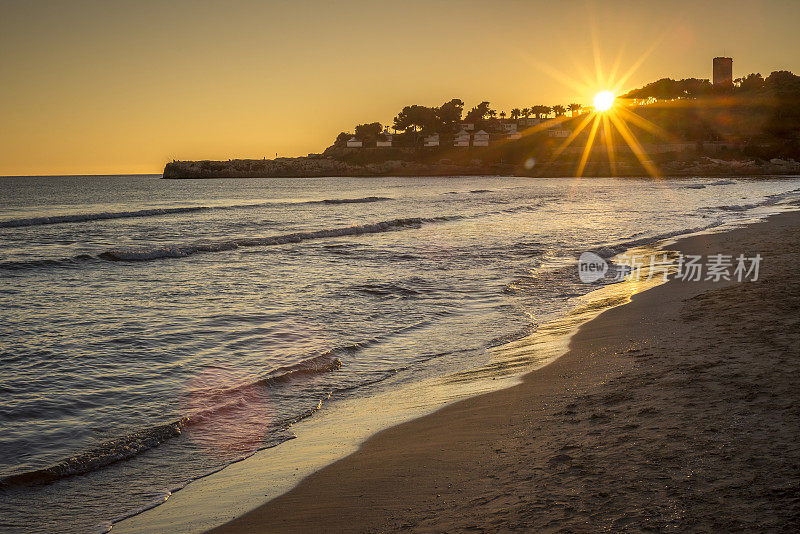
<point x="92" y="87"/>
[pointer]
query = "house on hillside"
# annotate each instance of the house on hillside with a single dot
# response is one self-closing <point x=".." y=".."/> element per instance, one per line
<point x="432" y="140"/>
<point x="558" y="130"/>
<point x="527" y="122"/>
<point x="354" y="143"/>
<point x="509" y="127"/>
<point x="468" y="126"/>
<point x="513" y="136"/>
<point x="384" y="139"/>
<point x="461" y="138"/>
<point x="480" y="138"/>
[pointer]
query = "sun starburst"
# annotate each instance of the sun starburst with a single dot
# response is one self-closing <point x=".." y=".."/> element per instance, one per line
<point x="611" y="119"/>
<point x="604" y="100"/>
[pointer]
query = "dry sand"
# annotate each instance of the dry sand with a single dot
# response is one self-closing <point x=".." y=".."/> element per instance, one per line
<point x="677" y="411"/>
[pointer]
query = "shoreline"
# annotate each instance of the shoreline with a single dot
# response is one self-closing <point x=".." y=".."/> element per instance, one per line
<point x="464" y="465"/>
<point x="317" y="167"/>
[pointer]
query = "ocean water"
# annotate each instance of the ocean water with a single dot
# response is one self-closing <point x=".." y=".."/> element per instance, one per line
<point x="155" y="331"/>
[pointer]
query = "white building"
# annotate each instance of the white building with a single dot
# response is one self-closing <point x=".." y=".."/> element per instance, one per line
<point x="514" y="136"/>
<point x="354" y="143"/>
<point x="461" y="138"/>
<point x="527" y="122"/>
<point x="387" y="139"/>
<point x="433" y="140"/>
<point x="468" y="126"/>
<point x="480" y="138"/>
<point x="558" y="130"/>
<point x="509" y="126"/>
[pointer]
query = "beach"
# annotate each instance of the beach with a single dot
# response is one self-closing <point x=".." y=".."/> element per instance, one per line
<point x="221" y="341"/>
<point x="256" y="278"/>
<point x="676" y="411"/>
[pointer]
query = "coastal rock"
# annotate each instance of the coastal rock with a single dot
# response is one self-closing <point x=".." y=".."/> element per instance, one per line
<point x="326" y="165"/>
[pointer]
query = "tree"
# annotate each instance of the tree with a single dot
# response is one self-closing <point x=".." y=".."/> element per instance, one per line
<point x="478" y="113"/>
<point x="539" y="111"/>
<point x="405" y="120"/>
<point x="414" y="118"/>
<point x="526" y="112"/>
<point x="515" y="113"/>
<point x="574" y="108"/>
<point x="751" y="83"/>
<point x="492" y="113"/>
<point x="502" y="115"/>
<point x="342" y="138"/>
<point x="783" y="83"/>
<point x="368" y="132"/>
<point x="669" y="89"/>
<point x="784" y="91"/>
<point x="693" y="87"/>
<point x="449" y="114"/>
<point x="559" y="110"/>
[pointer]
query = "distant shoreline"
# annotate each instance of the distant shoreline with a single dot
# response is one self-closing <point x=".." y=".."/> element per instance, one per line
<point x="317" y="167"/>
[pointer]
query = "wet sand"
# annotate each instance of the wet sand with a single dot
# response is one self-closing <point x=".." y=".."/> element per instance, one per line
<point x="679" y="410"/>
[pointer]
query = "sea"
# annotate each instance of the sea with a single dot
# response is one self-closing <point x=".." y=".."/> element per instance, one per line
<point x="155" y="331"/>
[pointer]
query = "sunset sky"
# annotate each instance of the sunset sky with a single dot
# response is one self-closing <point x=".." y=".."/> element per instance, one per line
<point x="90" y="87"/>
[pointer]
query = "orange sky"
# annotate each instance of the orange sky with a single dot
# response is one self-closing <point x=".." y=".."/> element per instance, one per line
<point x="124" y="86"/>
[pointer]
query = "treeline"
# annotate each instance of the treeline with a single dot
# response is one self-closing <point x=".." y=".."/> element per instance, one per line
<point x="416" y="121"/>
<point x="779" y="82"/>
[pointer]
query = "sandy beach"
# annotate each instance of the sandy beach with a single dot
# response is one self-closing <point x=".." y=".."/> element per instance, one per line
<point x="259" y="277"/>
<point x="675" y="411"/>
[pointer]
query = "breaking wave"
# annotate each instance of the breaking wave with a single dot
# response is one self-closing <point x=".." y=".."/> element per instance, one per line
<point x="87" y="217"/>
<point x="180" y="251"/>
<point x="771" y="200"/>
<point x="154" y="212"/>
<point x="703" y="186"/>
<point x="219" y="400"/>
<point x="613" y="250"/>
<point x="130" y="445"/>
<point x="351" y="200"/>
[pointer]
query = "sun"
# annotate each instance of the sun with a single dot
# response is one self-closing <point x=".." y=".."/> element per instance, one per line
<point x="609" y="121"/>
<point x="603" y="100"/>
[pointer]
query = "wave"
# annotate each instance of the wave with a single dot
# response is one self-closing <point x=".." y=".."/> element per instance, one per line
<point x="219" y="401"/>
<point x="504" y="339"/>
<point x="770" y="200"/>
<point x="613" y="250"/>
<point x="703" y="186"/>
<point x="351" y="200"/>
<point x="106" y="454"/>
<point x="87" y="217"/>
<point x="740" y="207"/>
<point x="32" y="264"/>
<point x="140" y="441"/>
<point x="387" y="289"/>
<point x="181" y="251"/>
<point x="154" y="212"/>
